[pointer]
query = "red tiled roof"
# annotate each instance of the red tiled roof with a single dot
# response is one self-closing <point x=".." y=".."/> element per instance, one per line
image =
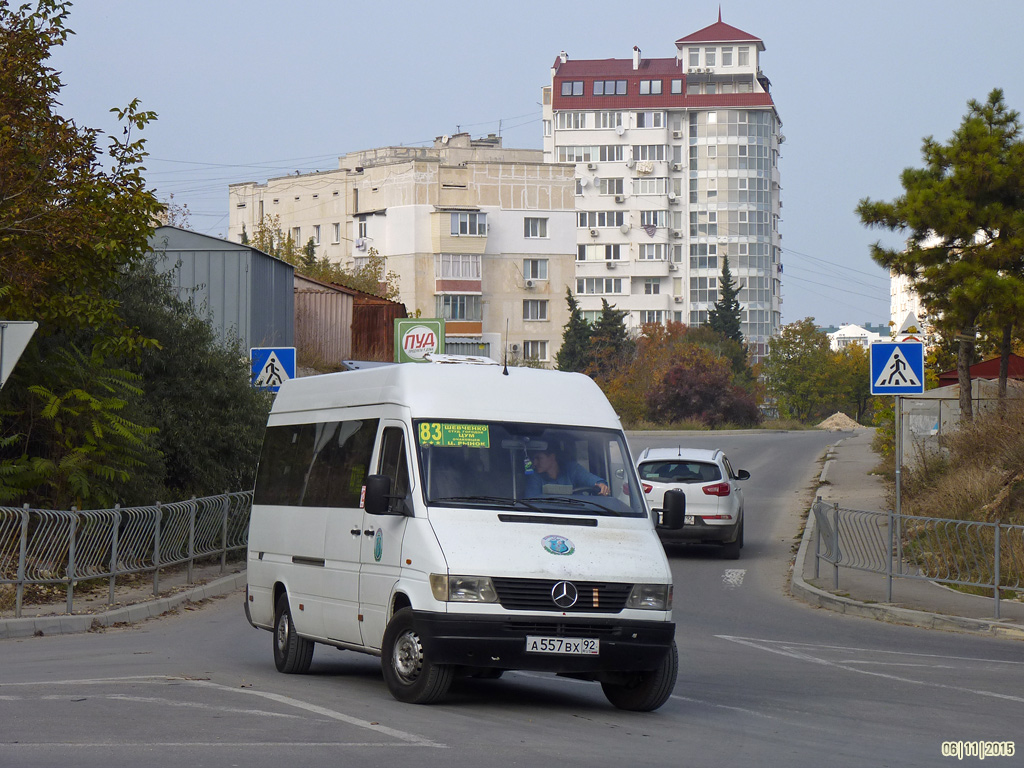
<point x="633" y="100"/>
<point x="602" y="68"/>
<point x="720" y="32"/>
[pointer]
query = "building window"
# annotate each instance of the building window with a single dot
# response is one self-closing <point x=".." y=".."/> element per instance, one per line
<point x="609" y="87"/>
<point x="694" y="57"/>
<point x="652" y="316"/>
<point x="570" y="120"/>
<point x="609" y="119"/>
<point x="535" y="350"/>
<point x="650" y="119"/>
<point x="709" y="57"/>
<point x="598" y="285"/>
<point x="652" y="252"/>
<point x="727" y="56"/>
<point x="296" y="235"/>
<point x="535" y="227"/>
<point x="469" y="223"/>
<point x="576" y="154"/>
<point x="572" y="87"/>
<point x="588" y="219"/>
<point x="698" y="317"/>
<point x="652" y="218"/>
<point x="458" y="307"/>
<point x="336" y="232"/>
<point x="650" y="87"/>
<point x="535" y="309"/>
<point x="608" y="252"/>
<point x="650" y="186"/>
<point x="652" y="286"/>
<point x="610" y="186"/>
<point x="535" y="269"/>
<point x="648" y="151"/>
<point x="316" y="234"/>
<point x="677" y="86"/>
<point x="703" y="290"/>
<point x="547" y="127"/>
<point x="457" y="266"/>
<point x="743" y="56"/>
<point x="361" y="227"/>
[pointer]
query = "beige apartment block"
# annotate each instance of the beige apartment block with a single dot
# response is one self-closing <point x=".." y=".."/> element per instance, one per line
<point x="479" y="234"/>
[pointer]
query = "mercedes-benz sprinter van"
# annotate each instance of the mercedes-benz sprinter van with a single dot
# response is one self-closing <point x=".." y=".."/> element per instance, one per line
<point x="460" y="519"/>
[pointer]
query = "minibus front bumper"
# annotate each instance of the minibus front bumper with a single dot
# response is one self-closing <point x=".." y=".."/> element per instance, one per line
<point x="500" y="642"/>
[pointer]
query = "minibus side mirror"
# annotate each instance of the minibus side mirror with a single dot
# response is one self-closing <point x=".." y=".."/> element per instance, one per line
<point x="378" y="496"/>
<point x="673" y="509"/>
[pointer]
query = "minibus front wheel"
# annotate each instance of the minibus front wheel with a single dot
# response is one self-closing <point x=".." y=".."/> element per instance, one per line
<point x="408" y="671"/>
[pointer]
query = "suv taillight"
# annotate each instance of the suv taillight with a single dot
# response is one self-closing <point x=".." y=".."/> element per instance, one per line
<point x="718" y="489"/>
<point x="647" y="487"/>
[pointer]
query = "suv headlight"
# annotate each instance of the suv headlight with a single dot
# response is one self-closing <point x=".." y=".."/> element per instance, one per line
<point x="462" y="589"/>
<point x="651" y="597"/>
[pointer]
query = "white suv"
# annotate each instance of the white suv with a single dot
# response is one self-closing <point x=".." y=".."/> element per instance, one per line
<point x="714" y="498"/>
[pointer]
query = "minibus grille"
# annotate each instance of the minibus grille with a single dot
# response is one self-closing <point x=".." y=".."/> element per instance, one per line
<point x="538" y="595"/>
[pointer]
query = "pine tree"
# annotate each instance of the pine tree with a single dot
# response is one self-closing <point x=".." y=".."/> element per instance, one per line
<point x="725" y="317"/>
<point x="573" y="354"/>
<point x="610" y="344"/>
<point x="963" y="211"/>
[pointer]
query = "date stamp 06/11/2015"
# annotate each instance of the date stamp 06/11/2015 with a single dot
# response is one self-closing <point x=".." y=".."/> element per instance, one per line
<point x="977" y="749"/>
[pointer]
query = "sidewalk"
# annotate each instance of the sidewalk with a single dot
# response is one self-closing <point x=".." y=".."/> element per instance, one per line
<point x="846" y="479"/>
<point x="133" y="602"/>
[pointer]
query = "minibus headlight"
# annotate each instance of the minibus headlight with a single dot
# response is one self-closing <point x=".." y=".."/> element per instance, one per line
<point x="651" y="597"/>
<point x="462" y="589"/>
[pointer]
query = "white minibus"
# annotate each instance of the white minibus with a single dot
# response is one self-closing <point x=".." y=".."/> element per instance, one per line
<point x="460" y="519"/>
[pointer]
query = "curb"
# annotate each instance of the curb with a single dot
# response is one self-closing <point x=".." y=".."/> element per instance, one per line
<point x="886" y="611"/>
<point x="130" y="614"/>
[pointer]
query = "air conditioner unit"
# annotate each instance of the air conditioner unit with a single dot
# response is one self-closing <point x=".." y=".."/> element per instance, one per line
<point x="360" y="243"/>
<point x="514" y="347"/>
<point x="620" y="199"/>
<point x="677" y="299"/>
<point x="530" y="283"/>
<point x="677" y="166"/>
<point x="691" y="70"/>
<point x="592" y="166"/>
<point x="672" y="267"/>
<point x="677" y="134"/>
<point x="677" y="233"/>
<point x="593" y="233"/>
<point x="610" y="264"/>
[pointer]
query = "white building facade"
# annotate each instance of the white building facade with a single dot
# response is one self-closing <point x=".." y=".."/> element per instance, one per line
<point x="676" y="168"/>
<point x="480" y="235"/>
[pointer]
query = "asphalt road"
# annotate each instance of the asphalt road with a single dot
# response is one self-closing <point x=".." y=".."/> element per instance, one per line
<point x="764" y="680"/>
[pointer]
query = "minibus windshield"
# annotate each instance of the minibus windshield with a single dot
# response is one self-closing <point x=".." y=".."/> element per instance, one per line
<point x="533" y="467"/>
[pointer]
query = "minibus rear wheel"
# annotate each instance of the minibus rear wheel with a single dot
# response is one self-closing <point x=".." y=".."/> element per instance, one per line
<point x="292" y="654"/>
<point x="410" y="674"/>
<point x="648" y="690"/>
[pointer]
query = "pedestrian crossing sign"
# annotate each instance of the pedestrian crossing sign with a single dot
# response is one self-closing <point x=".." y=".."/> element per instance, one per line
<point x="897" y="368"/>
<point x="272" y="366"/>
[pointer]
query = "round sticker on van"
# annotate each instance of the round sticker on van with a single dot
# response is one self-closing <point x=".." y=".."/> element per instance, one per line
<point x="558" y="545"/>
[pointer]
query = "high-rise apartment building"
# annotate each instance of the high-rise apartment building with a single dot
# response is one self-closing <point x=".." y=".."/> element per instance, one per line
<point x="676" y="168"/>
<point x="478" y="234"/>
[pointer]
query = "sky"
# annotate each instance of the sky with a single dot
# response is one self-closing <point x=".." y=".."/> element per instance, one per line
<point x="249" y="90"/>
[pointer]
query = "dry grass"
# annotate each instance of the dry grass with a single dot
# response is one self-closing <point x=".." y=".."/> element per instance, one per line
<point x="979" y="477"/>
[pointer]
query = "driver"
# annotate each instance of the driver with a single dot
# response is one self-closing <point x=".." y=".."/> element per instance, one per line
<point x="548" y="469"/>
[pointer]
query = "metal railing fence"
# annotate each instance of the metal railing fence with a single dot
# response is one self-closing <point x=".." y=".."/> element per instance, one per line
<point x="39" y="546"/>
<point x="961" y="552"/>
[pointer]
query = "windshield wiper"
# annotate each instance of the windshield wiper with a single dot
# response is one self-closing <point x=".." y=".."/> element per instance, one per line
<point x="500" y="501"/>
<point x="575" y="501"/>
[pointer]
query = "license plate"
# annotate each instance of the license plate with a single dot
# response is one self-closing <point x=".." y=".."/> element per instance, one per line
<point x="688" y="519"/>
<point x="572" y="646"/>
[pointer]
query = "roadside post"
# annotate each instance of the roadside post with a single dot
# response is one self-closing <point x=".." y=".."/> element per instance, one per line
<point x="897" y="368"/>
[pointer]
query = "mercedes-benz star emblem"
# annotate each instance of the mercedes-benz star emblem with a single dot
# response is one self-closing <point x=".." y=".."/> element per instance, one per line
<point x="564" y="594"/>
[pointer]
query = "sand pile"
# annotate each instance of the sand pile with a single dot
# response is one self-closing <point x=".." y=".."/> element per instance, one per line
<point x="839" y="422"/>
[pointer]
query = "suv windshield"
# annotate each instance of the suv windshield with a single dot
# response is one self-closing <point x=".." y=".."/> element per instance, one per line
<point x="530" y="467"/>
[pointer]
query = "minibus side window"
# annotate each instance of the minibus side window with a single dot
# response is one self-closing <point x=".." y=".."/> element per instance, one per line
<point x="393" y="462"/>
<point x="315" y="465"/>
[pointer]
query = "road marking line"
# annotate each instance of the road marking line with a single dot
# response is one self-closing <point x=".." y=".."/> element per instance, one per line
<point x="733" y="577"/>
<point x="766" y="645"/>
